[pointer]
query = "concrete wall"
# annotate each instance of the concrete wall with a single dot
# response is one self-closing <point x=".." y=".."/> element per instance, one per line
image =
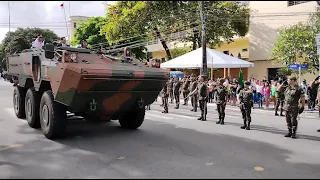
<point x="266" y="18"/>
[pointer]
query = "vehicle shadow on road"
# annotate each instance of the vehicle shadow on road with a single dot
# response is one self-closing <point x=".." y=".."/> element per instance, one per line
<point x="275" y="131"/>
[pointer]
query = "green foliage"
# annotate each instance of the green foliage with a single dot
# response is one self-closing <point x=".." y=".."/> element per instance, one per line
<point x="22" y="38"/>
<point x="284" y="71"/>
<point x="176" y="52"/>
<point x="138" y="18"/>
<point x="295" y="38"/>
<point x="90" y="30"/>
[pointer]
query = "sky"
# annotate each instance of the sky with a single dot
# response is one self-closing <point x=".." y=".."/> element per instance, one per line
<point x="46" y="14"/>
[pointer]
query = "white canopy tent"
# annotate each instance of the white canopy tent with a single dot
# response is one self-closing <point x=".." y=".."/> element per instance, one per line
<point x="215" y="59"/>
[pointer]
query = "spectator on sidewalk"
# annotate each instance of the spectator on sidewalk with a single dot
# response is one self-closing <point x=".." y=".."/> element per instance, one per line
<point x="266" y="93"/>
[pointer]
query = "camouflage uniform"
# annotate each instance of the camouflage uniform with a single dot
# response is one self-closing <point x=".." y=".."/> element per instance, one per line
<point x="245" y="97"/>
<point x="291" y="106"/>
<point x="203" y="99"/>
<point x="185" y="91"/>
<point x="170" y="88"/>
<point x="220" y="95"/>
<point x="194" y="97"/>
<point x="280" y="100"/>
<point x="165" y="95"/>
<point x="176" y="92"/>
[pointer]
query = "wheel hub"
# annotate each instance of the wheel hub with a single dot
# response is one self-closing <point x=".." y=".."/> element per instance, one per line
<point x="29" y="107"/>
<point x="45" y="115"/>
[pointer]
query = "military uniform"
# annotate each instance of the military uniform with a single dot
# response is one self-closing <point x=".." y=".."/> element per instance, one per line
<point x="165" y="95"/>
<point x="221" y="93"/>
<point x="245" y="97"/>
<point x="185" y="91"/>
<point x="176" y="92"/>
<point x="280" y="100"/>
<point x="170" y="88"/>
<point x="291" y="106"/>
<point x="203" y="99"/>
<point x="194" y="97"/>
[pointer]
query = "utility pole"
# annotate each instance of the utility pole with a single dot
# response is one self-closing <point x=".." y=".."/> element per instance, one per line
<point x="204" y="68"/>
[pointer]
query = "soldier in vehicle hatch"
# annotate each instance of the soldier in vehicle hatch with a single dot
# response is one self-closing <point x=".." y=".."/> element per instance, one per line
<point x="185" y="90"/>
<point x="194" y="96"/>
<point x="165" y="95"/>
<point x="246" y="98"/>
<point x="293" y="93"/>
<point x="176" y="91"/>
<point x="221" y="93"/>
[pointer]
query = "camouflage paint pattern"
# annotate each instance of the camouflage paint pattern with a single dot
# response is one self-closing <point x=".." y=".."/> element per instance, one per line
<point x="93" y="84"/>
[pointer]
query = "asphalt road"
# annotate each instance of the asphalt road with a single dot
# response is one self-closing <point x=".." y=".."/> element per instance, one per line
<point x="173" y="145"/>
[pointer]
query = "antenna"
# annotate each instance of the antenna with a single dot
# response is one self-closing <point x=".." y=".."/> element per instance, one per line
<point x="9" y="26"/>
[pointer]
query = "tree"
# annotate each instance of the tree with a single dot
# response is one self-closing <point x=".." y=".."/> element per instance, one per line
<point x="176" y="52"/>
<point x="139" y="19"/>
<point x="90" y="30"/>
<point x="295" y="38"/>
<point x="22" y="38"/>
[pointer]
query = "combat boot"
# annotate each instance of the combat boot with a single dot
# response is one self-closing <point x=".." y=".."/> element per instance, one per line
<point x="276" y="113"/>
<point x="294" y="134"/>
<point x="281" y="113"/>
<point x="204" y="118"/>
<point x="218" y="122"/>
<point x="289" y="133"/>
<point x="176" y="107"/>
<point x="165" y="111"/>
<point x="318" y="130"/>
<point x="222" y="121"/>
<point x="244" y="125"/>
<point x="200" y="118"/>
<point x="248" y="126"/>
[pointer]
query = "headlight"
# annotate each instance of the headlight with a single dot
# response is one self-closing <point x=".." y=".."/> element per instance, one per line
<point x="73" y="57"/>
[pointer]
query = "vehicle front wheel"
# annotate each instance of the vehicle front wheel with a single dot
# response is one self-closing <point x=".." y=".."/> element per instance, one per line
<point x="133" y="119"/>
<point x="53" y="116"/>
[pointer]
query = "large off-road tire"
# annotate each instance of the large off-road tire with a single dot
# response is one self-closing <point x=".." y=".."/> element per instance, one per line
<point x="133" y="119"/>
<point x="19" y="94"/>
<point x="53" y="116"/>
<point x="32" y="106"/>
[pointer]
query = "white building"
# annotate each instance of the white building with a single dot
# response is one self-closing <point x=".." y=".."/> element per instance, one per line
<point x="72" y="24"/>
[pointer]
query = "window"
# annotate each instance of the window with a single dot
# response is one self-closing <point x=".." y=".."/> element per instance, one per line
<point x="244" y="50"/>
<point x="292" y="3"/>
<point x="226" y="52"/>
<point x="74" y="25"/>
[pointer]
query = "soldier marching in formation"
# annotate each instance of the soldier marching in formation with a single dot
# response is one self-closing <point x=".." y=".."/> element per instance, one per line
<point x="288" y="95"/>
<point x="165" y="97"/>
<point x="280" y="98"/>
<point x="170" y="88"/>
<point x="293" y="93"/>
<point x="194" y="96"/>
<point x="185" y="90"/>
<point x="246" y="99"/>
<point x="176" y="91"/>
<point x="316" y="83"/>
<point x="221" y="100"/>
<point x="202" y="91"/>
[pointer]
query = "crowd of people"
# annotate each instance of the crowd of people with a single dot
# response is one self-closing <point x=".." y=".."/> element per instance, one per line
<point x="286" y="94"/>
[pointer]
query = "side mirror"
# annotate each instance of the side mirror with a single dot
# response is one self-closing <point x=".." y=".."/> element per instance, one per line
<point x="49" y="51"/>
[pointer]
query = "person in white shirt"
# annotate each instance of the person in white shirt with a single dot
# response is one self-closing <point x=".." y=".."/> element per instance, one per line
<point x="259" y="88"/>
<point x="63" y="42"/>
<point x="38" y="43"/>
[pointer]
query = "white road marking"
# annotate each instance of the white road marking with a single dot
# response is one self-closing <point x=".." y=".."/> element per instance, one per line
<point x="162" y="117"/>
<point x="177" y="115"/>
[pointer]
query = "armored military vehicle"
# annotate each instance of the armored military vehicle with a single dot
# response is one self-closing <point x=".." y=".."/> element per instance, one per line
<point x="51" y="81"/>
